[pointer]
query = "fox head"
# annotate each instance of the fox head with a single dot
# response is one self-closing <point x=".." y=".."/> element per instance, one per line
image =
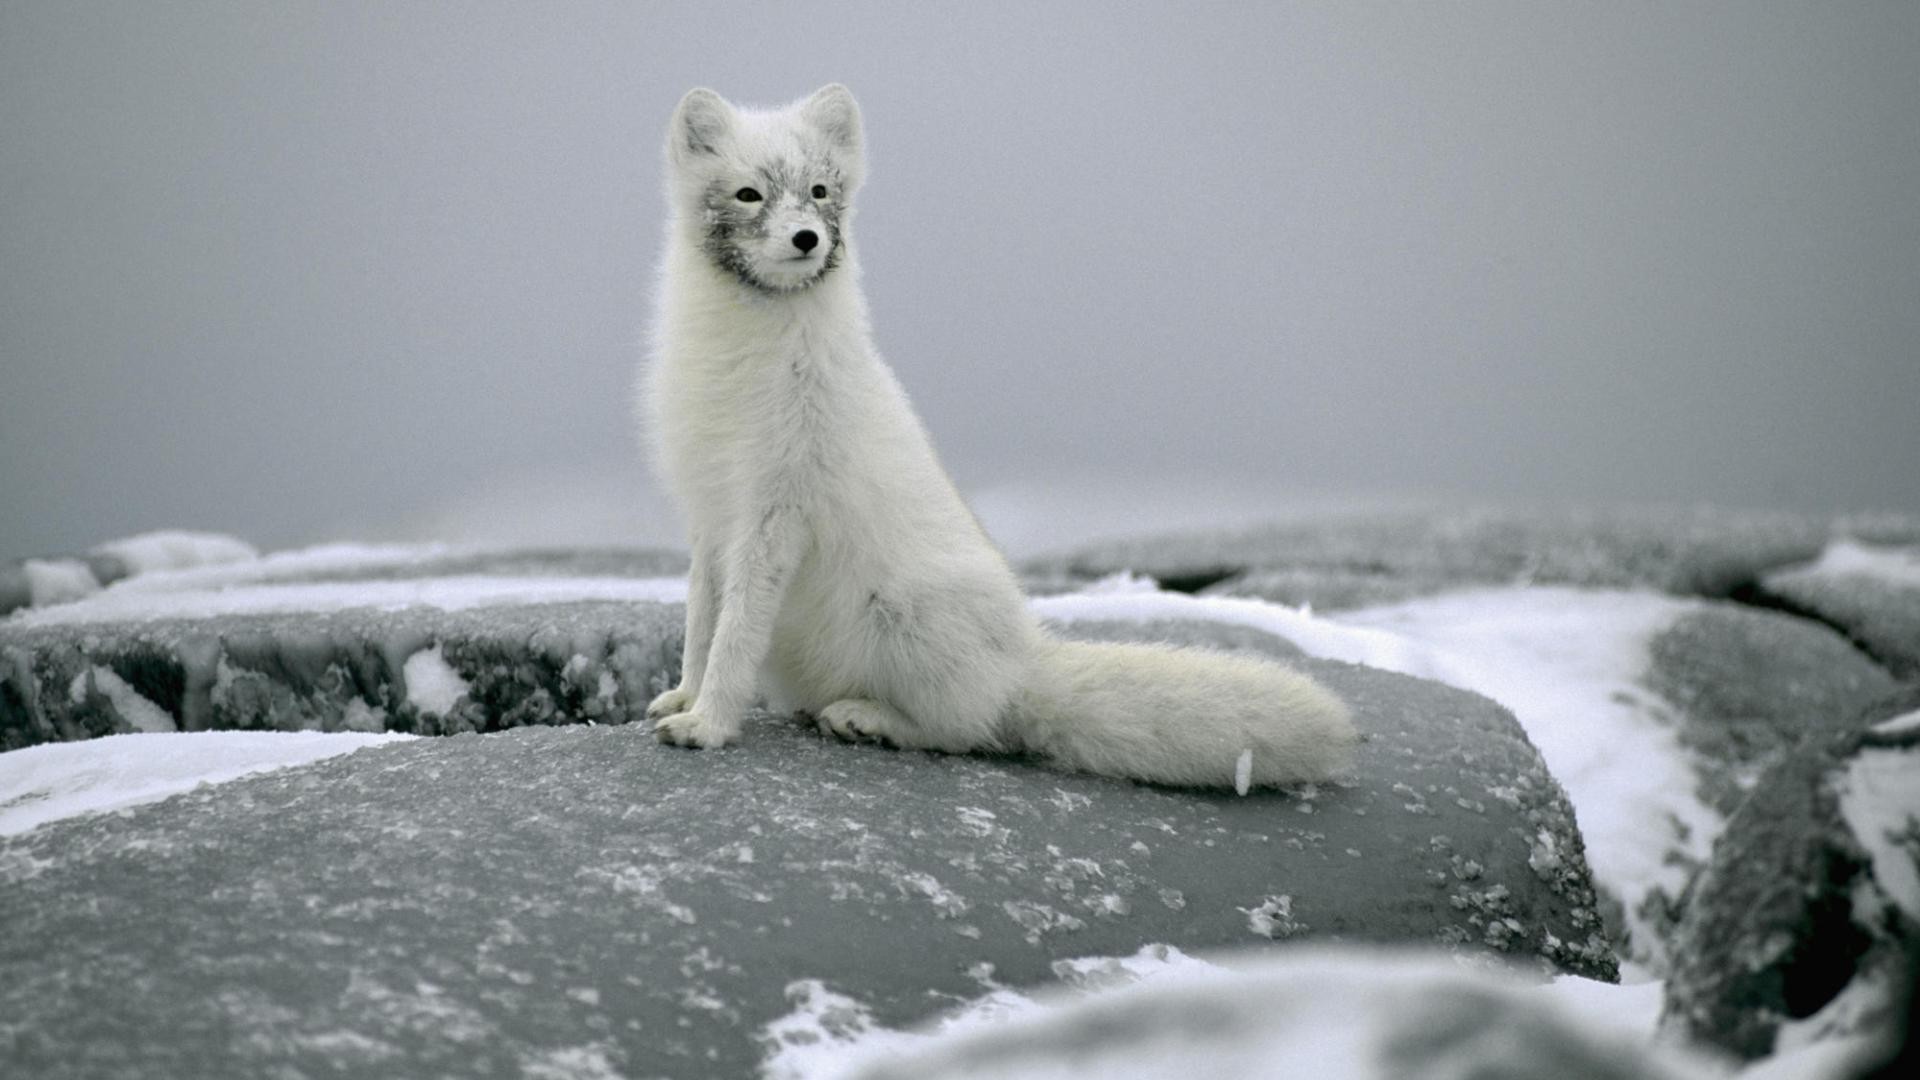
<point x="767" y="194"/>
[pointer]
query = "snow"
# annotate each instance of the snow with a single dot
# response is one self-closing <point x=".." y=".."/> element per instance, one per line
<point x="1880" y="801"/>
<point x="433" y="686"/>
<point x="176" y="550"/>
<point x="132" y="707"/>
<point x="1904" y="724"/>
<point x="1161" y="1014"/>
<point x="53" y="781"/>
<point x="142" y="600"/>
<point x="1850" y="558"/>
<point x="1568" y="663"/>
<point x="57" y="581"/>
<point x="828" y="1034"/>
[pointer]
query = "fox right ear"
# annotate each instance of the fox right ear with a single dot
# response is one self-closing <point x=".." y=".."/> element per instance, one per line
<point x="700" y="125"/>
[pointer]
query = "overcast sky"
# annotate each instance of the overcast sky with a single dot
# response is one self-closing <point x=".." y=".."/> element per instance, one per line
<point x="300" y="272"/>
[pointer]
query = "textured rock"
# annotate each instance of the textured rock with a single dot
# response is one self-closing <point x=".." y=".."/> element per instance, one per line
<point x="1814" y="889"/>
<point x="1749" y="686"/>
<point x="337" y="670"/>
<point x="482" y="905"/>
<point x="1881" y="616"/>
<point x="1360" y="561"/>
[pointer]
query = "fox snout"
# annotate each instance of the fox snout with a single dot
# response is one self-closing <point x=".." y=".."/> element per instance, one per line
<point x="806" y="240"/>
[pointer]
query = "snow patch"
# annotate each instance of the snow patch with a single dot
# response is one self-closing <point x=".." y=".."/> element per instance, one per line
<point x="58" y="581"/>
<point x="138" y="600"/>
<point x="1850" y="558"/>
<point x="136" y="710"/>
<point x="1568" y="663"/>
<point x="828" y="1035"/>
<point x="54" y="781"/>
<point x="1904" y="724"/>
<point x="1344" y="1013"/>
<point x="433" y="686"/>
<point x="177" y="550"/>
<point x="1880" y="802"/>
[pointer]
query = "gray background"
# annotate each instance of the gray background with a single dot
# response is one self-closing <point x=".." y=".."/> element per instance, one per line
<point x="316" y="271"/>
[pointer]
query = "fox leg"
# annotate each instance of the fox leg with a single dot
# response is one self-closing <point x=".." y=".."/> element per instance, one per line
<point x="866" y="720"/>
<point x="758" y="571"/>
<point x="703" y="602"/>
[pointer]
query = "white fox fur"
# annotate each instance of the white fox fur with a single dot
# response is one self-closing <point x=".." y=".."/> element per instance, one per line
<point x="836" y="570"/>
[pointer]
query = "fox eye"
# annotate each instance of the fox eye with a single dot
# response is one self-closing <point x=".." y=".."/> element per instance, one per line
<point x="747" y="194"/>
<point x="819" y="191"/>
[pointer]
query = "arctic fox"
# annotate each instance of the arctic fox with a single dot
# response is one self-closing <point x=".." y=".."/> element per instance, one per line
<point x="836" y="571"/>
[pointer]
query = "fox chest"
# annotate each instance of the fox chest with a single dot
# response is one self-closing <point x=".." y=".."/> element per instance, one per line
<point x="737" y="440"/>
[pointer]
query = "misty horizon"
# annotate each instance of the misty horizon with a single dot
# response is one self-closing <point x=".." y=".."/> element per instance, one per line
<point x="385" y="272"/>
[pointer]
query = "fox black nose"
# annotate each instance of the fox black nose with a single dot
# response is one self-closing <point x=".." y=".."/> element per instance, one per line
<point x="806" y="240"/>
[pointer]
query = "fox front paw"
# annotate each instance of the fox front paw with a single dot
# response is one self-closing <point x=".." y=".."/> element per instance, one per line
<point x="677" y="700"/>
<point x="695" y="729"/>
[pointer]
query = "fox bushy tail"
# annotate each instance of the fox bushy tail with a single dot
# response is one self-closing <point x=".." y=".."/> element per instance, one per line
<point x="1181" y="716"/>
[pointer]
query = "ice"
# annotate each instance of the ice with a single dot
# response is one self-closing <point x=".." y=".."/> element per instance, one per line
<point x="1850" y="558"/>
<point x="61" y="780"/>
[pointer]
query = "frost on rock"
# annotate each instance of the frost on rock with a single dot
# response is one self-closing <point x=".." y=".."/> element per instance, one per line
<point x="1807" y="902"/>
<point x="414" y="669"/>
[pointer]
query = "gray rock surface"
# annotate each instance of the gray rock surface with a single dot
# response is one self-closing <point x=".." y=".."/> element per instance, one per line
<point x="1752" y="685"/>
<point x="489" y="905"/>
<point x="1883" y="618"/>
<point x="1350" y="562"/>
<point x="1794" y="909"/>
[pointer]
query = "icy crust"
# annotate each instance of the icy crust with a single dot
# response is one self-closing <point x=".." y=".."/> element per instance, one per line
<point x="1390" y="557"/>
<point x="419" y="669"/>
<point x="46" y="581"/>
<point x="62" y="780"/>
<point x="463" y="905"/>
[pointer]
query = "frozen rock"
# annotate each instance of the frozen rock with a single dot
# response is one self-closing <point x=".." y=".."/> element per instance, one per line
<point x="1748" y="686"/>
<point x="469" y="905"/>
<point x="1361" y="561"/>
<point x="543" y="663"/>
<point x="321" y="639"/>
<point x="1869" y="592"/>
<point x="1811" y="905"/>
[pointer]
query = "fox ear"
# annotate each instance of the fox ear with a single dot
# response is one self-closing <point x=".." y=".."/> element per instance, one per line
<point x="832" y="111"/>
<point x="700" y="125"/>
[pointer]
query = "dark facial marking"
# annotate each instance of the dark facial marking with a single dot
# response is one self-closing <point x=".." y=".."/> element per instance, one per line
<point x="738" y="219"/>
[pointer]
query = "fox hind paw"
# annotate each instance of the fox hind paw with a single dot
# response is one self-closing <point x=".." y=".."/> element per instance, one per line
<point x="858" y="721"/>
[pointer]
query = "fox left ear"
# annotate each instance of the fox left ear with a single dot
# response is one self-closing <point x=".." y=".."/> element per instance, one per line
<point x="832" y="111"/>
